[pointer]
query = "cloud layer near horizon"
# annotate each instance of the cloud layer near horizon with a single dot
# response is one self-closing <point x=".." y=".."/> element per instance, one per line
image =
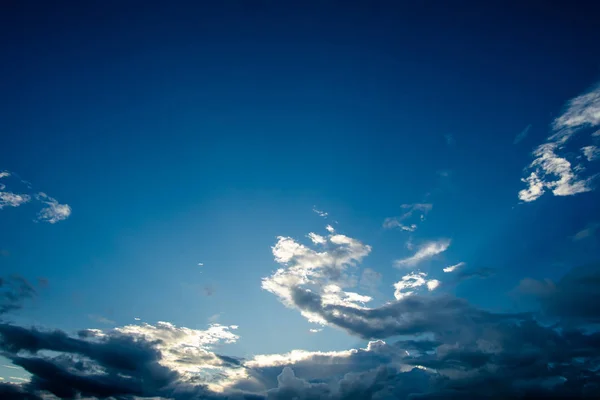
<point x="470" y="353"/>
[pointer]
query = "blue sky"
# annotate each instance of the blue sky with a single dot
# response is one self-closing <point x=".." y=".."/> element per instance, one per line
<point x="138" y="142"/>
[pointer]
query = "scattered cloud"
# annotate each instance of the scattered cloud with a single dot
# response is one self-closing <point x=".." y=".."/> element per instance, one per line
<point x="330" y="229"/>
<point x="317" y="239"/>
<point x="200" y="264"/>
<point x="320" y="213"/>
<point x="589" y="231"/>
<point x="315" y="330"/>
<point x="549" y="170"/>
<point x="411" y="282"/>
<point x="51" y="212"/>
<point x="591" y="153"/>
<point x="8" y="199"/>
<point x="136" y="318"/>
<point x="454" y="267"/>
<point x="425" y="252"/>
<point x="522" y="135"/>
<point x="54" y="211"/>
<point x="406" y="221"/>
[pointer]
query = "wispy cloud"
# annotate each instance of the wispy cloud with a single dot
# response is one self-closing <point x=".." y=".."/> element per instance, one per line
<point x="454" y="267"/>
<point x="592" y="153"/>
<point x="54" y="211"/>
<point x="522" y="135"/>
<point x="549" y="170"/>
<point x="424" y="252"/>
<point x="450" y="141"/>
<point x="100" y="319"/>
<point x="589" y="231"/>
<point x="406" y="222"/>
<point x="320" y="213"/>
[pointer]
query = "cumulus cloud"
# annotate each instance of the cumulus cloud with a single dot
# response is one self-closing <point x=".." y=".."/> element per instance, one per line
<point x="552" y="171"/>
<point x="54" y="211"/>
<point x="407" y="221"/>
<point x="425" y="252"/>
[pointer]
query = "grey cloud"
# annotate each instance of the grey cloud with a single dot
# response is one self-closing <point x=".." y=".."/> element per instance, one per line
<point x="574" y="298"/>
<point x="14" y="290"/>
<point x="448" y="350"/>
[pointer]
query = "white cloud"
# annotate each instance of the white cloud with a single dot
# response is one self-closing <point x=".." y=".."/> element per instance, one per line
<point x="433" y="284"/>
<point x="136" y="318"/>
<point x="320" y="213"/>
<point x="425" y="252"/>
<point x="315" y="330"/>
<point x="317" y="239"/>
<point x="454" y="267"/>
<point x="551" y="171"/>
<point x="54" y="211"/>
<point x="8" y="199"/>
<point x="412" y="281"/>
<point x="4" y="174"/>
<point x="592" y="153"/>
<point x="582" y="111"/>
<point x="535" y="188"/>
<point x="200" y="264"/>
<point x="324" y="272"/>
<point x="186" y="350"/>
<point x="330" y="229"/>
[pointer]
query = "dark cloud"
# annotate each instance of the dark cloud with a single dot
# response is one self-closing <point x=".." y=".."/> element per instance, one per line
<point x="446" y="349"/>
<point x="11" y="391"/>
<point x="468" y="273"/>
<point x="412" y="315"/>
<point x="574" y="298"/>
<point x="14" y="290"/>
